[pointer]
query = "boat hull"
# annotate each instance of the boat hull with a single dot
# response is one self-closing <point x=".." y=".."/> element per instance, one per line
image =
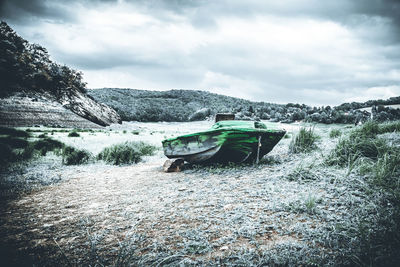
<point x="223" y="146"/>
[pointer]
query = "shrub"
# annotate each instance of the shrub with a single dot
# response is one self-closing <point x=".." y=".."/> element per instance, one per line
<point x="7" y="155"/>
<point x="356" y="146"/>
<point x="135" y="132"/>
<point x="13" y="132"/>
<point x="13" y="142"/>
<point x="304" y="141"/>
<point x="334" y="133"/>
<point x="126" y="153"/>
<point x="389" y="127"/>
<point x="73" y="133"/>
<point x="45" y="145"/>
<point x="73" y="156"/>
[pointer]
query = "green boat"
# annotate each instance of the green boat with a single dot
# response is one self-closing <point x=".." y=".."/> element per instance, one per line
<point x="226" y="141"/>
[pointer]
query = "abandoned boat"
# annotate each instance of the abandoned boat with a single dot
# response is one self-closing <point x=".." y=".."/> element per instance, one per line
<point x="226" y="141"/>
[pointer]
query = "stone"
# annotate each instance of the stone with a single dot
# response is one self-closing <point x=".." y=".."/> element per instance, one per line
<point x="173" y="165"/>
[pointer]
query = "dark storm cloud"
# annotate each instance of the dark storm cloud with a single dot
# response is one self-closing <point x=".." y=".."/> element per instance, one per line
<point x="25" y="11"/>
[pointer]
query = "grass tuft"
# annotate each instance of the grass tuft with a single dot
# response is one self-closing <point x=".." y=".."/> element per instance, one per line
<point x="73" y="133"/>
<point x="304" y="141"/>
<point x="13" y="132"/>
<point x="126" y="153"/>
<point x="73" y="156"/>
<point x="334" y="133"/>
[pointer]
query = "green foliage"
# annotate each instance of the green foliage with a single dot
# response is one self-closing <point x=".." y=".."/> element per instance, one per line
<point x="304" y="141"/>
<point x="13" y="132"/>
<point x="28" y="66"/>
<point x="13" y="142"/>
<point x="45" y="145"/>
<point x="73" y="156"/>
<point x="379" y="163"/>
<point x="126" y="153"/>
<point x="135" y="132"/>
<point x="302" y="173"/>
<point x="73" y="133"/>
<point x="7" y="155"/>
<point x="334" y="133"/>
<point x="362" y="142"/>
<point x="351" y="149"/>
<point x="310" y="203"/>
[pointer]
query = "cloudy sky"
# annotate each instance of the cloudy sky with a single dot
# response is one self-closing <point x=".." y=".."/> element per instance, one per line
<point x="305" y="51"/>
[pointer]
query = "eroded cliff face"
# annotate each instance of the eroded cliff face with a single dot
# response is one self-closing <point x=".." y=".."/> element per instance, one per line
<point x="75" y="110"/>
<point x="89" y="109"/>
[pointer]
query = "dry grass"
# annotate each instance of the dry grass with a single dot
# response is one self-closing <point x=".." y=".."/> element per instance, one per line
<point x="290" y="210"/>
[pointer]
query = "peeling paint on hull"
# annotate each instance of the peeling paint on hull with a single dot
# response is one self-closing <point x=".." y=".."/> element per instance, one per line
<point x="223" y="143"/>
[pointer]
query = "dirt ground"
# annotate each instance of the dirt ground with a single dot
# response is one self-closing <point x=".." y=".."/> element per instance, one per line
<point x="99" y="214"/>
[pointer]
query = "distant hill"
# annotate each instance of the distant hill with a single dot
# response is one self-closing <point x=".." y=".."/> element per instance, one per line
<point x="175" y="105"/>
<point x="188" y="105"/>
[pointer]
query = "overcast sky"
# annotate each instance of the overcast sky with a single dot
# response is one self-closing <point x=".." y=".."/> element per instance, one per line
<point x="306" y="51"/>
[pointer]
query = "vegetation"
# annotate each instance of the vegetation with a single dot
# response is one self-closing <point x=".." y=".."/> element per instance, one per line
<point x="126" y="153"/>
<point x="14" y="148"/>
<point x="334" y="133"/>
<point x="362" y="143"/>
<point x="304" y="141"/>
<point x="28" y="66"/>
<point x="189" y="105"/>
<point x="378" y="162"/>
<point x="73" y="156"/>
<point x="73" y="133"/>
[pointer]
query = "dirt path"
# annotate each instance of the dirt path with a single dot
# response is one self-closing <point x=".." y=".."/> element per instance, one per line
<point x="198" y="216"/>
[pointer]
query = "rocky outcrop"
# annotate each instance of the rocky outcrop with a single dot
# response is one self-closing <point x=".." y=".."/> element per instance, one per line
<point x="74" y="111"/>
<point x="20" y="110"/>
<point x="88" y="108"/>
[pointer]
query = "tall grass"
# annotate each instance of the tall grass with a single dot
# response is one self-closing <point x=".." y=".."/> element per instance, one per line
<point x="13" y="132"/>
<point x="334" y="133"/>
<point x="73" y="156"/>
<point x="304" y="141"/>
<point x="379" y="163"/>
<point x="14" y="149"/>
<point x="73" y="133"/>
<point x="126" y="153"/>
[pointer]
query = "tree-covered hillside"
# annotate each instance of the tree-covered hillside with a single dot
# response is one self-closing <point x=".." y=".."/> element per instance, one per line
<point x="28" y="75"/>
<point x="175" y="105"/>
<point x="186" y="105"/>
<point x="26" y="66"/>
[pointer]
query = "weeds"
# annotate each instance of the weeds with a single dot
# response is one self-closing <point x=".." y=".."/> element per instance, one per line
<point x="13" y="132"/>
<point x="372" y="157"/>
<point x="310" y="204"/>
<point x="73" y="133"/>
<point x="126" y="153"/>
<point x="304" y="141"/>
<point x="73" y="156"/>
<point x="302" y="173"/>
<point x="334" y="133"/>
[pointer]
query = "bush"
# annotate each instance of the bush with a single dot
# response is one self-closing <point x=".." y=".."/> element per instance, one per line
<point x="13" y="132"/>
<point x="46" y="144"/>
<point x="73" y="133"/>
<point x="7" y="155"/>
<point x="14" y="142"/>
<point x="334" y="133"/>
<point x="304" y="141"/>
<point x="126" y="153"/>
<point x="73" y="156"/>
<point x="351" y="149"/>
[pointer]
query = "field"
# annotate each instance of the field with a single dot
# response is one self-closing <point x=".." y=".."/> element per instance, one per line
<point x="294" y="208"/>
